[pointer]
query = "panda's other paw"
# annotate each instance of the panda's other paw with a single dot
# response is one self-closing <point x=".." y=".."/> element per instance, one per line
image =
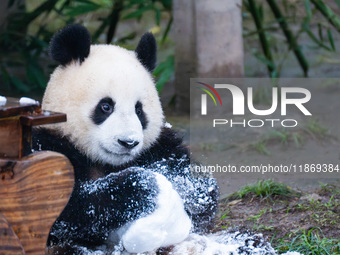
<point x="136" y="193"/>
<point x="167" y="225"/>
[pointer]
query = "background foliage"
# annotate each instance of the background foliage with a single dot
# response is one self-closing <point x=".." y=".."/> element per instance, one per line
<point x="28" y="26"/>
<point x="296" y="24"/>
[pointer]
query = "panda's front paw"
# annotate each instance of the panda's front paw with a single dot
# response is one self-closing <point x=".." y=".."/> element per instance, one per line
<point x="167" y="225"/>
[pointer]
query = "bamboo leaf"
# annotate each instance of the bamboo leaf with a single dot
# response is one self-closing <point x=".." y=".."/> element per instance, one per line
<point x="138" y="13"/>
<point x="46" y="6"/>
<point x="254" y="10"/>
<point x="168" y="26"/>
<point x="308" y="10"/>
<point x="19" y="84"/>
<point x="81" y="9"/>
<point x="35" y="74"/>
<point x="260" y="12"/>
<point x="330" y="38"/>
<point x="167" y="4"/>
<point x="327" y="13"/>
<point x="320" y="32"/>
<point x="164" y="72"/>
<point x="5" y="77"/>
<point x="158" y="16"/>
<point x="313" y="37"/>
<point x="337" y="3"/>
<point x="264" y="60"/>
<point x="293" y="45"/>
<point x="246" y="5"/>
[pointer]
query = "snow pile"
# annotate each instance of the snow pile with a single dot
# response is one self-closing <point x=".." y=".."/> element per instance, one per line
<point x="221" y="243"/>
<point x="28" y="101"/>
<point x="3" y="100"/>
<point x="224" y="243"/>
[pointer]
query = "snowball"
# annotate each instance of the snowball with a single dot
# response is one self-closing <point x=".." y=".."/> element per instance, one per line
<point x="47" y="113"/>
<point x="3" y="100"/>
<point x="27" y="100"/>
<point x="169" y="224"/>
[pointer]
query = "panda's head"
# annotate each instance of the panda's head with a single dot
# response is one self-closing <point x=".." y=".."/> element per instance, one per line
<point x="112" y="106"/>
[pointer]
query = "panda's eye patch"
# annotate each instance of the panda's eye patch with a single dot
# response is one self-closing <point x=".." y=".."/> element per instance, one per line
<point x="103" y="110"/>
<point x="140" y="114"/>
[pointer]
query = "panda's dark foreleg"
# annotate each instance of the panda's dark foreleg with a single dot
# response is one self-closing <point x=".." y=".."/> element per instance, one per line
<point x="65" y="250"/>
<point x="96" y="208"/>
<point x="202" y="203"/>
<point x="199" y="192"/>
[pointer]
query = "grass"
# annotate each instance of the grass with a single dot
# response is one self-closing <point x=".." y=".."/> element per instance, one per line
<point x="312" y="129"/>
<point x="309" y="242"/>
<point x="316" y="130"/>
<point x="266" y="189"/>
<point x="329" y="189"/>
<point x="277" y="136"/>
<point x="321" y="212"/>
<point x="308" y="225"/>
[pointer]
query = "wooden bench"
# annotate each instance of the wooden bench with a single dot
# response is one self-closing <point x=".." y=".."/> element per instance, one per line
<point x="34" y="187"/>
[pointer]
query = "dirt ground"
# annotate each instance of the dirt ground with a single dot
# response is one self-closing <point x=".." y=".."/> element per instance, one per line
<point x="283" y="218"/>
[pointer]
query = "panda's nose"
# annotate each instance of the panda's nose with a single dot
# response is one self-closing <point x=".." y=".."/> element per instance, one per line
<point x="129" y="144"/>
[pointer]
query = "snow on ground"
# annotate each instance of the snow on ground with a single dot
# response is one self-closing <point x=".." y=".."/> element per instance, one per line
<point x="221" y="243"/>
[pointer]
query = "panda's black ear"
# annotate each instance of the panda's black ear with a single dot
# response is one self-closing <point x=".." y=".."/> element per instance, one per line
<point x="147" y="51"/>
<point x="70" y="43"/>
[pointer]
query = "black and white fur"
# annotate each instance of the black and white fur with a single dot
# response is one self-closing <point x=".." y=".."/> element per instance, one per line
<point x="133" y="183"/>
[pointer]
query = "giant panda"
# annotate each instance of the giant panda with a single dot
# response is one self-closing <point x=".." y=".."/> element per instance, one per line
<point x="134" y="187"/>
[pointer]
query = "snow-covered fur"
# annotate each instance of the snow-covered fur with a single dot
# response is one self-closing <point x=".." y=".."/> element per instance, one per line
<point x="133" y="182"/>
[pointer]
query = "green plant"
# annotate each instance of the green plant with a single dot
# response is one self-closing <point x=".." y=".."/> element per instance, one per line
<point x="258" y="216"/>
<point x="284" y="14"/>
<point x="282" y="136"/>
<point x="164" y="72"/>
<point x="329" y="189"/>
<point x="261" y="147"/>
<point x="266" y="189"/>
<point x="257" y="13"/>
<point x="315" y="129"/>
<point x="308" y="242"/>
<point x="24" y="62"/>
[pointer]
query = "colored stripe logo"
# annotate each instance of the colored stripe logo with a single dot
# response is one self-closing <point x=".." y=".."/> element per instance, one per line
<point x="209" y="93"/>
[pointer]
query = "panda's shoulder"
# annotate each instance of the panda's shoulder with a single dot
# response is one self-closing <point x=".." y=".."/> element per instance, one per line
<point x="48" y="139"/>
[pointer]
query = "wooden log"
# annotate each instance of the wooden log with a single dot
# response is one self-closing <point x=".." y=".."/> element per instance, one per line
<point x="33" y="192"/>
<point x="9" y="242"/>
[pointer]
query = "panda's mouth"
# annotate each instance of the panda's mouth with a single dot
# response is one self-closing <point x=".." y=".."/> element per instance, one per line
<point x="120" y="154"/>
